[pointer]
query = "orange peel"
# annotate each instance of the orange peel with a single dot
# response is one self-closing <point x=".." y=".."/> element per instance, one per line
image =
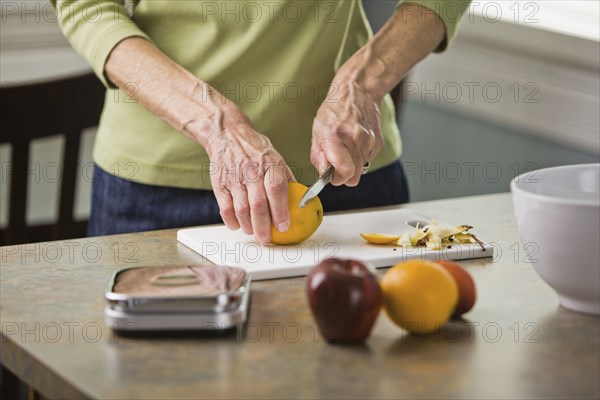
<point x="380" y="238"/>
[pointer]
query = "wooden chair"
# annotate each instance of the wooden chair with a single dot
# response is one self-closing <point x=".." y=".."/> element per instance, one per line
<point x="32" y="111"/>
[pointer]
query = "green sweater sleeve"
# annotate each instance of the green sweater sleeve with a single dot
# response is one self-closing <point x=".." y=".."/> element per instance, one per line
<point x="94" y="28"/>
<point x="450" y="12"/>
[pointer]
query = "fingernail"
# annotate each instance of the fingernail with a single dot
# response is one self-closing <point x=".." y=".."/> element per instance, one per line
<point x="283" y="227"/>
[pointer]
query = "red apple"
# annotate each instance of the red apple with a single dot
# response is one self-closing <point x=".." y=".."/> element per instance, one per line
<point x="345" y="298"/>
<point x="467" y="293"/>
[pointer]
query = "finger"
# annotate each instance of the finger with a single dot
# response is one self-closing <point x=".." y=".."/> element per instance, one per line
<point x="372" y="145"/>
<point x="357" y="175"/>
<point x="277" y="170"/>
<point x="277" y="194"/>
<point x="226" y="208"/>
<point x="360" y="159"/>
<point x="289" y="175"/>
<point x="259" y="212"/>
<point x="242" y="208"/>
<point x="340" y="156"/>
<point x="318" y="158"/>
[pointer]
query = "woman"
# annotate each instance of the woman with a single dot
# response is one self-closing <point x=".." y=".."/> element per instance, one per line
<point x="213" y="107"/>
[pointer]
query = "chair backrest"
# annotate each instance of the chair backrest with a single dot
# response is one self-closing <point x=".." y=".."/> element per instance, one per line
<point x="31" y="111"/>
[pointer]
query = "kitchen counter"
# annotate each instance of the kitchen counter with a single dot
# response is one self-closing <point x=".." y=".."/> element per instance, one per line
<point x="516" y="343"/>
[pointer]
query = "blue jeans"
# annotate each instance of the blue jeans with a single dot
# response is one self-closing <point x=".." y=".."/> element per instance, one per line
<point x="123" y="206"/>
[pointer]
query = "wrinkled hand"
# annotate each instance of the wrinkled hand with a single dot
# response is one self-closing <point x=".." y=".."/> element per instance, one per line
<point x="249" y="177"/>
<point x="346" y="132"/>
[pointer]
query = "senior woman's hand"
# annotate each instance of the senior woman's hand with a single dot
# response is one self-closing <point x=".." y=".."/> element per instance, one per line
<point x="346" y="131"/>
<point x="248" y="175"/>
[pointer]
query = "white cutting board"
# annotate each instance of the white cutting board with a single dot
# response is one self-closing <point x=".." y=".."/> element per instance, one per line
<point x="338" y="236"/>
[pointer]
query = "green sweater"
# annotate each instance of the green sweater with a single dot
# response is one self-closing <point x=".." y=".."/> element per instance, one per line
<point x="273" y="58"/>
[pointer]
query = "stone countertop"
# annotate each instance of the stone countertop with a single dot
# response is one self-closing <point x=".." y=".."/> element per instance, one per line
<point x="516" y="343"/>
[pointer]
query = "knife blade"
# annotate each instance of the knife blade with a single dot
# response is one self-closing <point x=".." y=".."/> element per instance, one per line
<point x="316" y="187"/>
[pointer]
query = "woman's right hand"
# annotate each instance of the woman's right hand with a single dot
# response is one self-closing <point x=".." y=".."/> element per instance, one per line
<point x="249" y="177"/>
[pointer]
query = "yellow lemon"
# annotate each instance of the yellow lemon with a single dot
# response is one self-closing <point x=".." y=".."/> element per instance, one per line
<point x="304" y="221"/>
<point x="379" y="238"/>
<point x="419" y="296"/>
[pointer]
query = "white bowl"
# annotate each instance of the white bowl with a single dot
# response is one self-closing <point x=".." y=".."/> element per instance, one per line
<point x="558" y="215"/>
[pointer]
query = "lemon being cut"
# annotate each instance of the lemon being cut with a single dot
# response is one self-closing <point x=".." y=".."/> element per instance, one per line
<point x="303" y="221"/>
<point x="379" y="238"/>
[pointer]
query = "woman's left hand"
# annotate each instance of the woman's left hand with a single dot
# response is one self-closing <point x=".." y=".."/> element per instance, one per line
<point x="346" y="131"/>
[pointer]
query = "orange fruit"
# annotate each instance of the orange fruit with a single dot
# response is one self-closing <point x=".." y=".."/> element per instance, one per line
<point x="303" y="221"/>
<point x="379" y="238"/>
<point x="419" y="296"/>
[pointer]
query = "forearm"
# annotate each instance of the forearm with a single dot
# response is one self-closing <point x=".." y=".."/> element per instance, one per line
<point x="408" y="36"/>
<point x="168" y="90"/>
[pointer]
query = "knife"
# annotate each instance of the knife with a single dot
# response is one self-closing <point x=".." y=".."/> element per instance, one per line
<point x="316" y="188"/>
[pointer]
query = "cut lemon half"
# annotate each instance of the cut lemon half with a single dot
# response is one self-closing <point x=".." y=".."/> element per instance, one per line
<point x="379" y="238"/>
